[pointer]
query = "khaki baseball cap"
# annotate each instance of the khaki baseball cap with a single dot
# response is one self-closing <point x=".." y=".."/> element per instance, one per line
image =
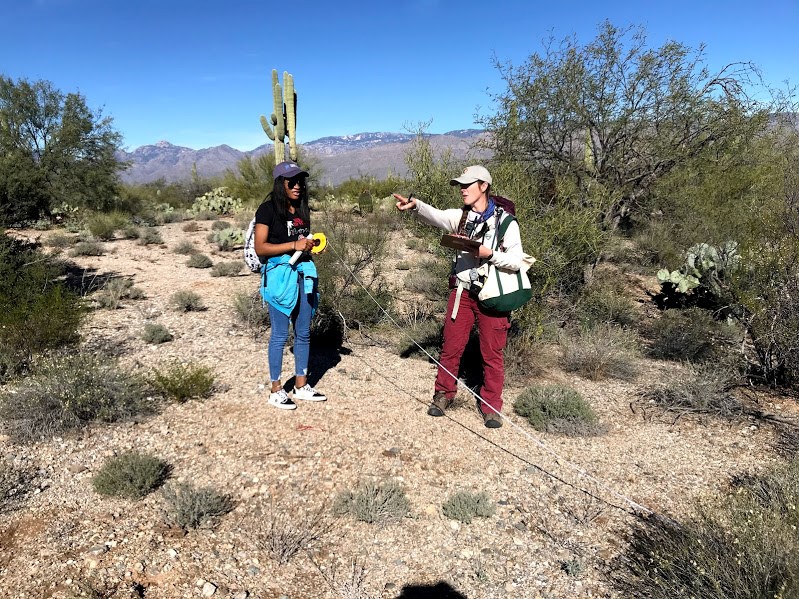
<point x="471" y="174"/>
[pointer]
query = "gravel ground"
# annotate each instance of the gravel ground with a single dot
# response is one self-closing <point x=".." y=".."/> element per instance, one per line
<point x="547" y="537"/>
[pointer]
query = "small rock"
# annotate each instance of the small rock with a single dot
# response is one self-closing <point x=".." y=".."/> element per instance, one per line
<point x="209" y="588"/>
<point x="77" y="468"/>
<point x="97" y="550"/>
<point x="392" y="453"/>
<point x="241" y="595"/>
<point x="172" y="553"/>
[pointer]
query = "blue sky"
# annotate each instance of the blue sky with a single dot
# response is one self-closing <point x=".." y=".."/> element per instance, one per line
<point x="198" y="73"/>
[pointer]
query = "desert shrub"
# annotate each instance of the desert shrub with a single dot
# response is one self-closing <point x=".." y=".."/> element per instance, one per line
<point x="65" y="392"/>
<point x="130" y="475"/>
<point x="87" y="248"/>
<point x="283" y="530"/>
<point x="190" y="507"/>
<point x="130" y="231"/>
<point x="104" y="225"/>
<point x="420" y="337"/>
<point x="701" y="389"/>
<point x="150" y="236"/>
<point x="404" y="265"/>
<point x="156" y="333"/>
<point x="199" y="261"/>
<point x="557" y="409"/>
<point x="601" y="352"/>
<point x="115" y="290"/>
<point x="59" y="240"/>
<point x="181" y="382"/>
<point x="742" y="544"/>
<point x="605" y="303"/>
<point x="464" y="506"/>
<point x="219" y="225"/>
<point x="375" y="503"/>
<point x="251" y="311"/>
<point x="523" y="354"/>
<point x="351" y="275"/>
<point x="185" y="247"/>
<point x="37" y="311"/>
<point x="226" y="269"/>
<point x="691" y="334"/>
<point x="191" y="227"/>
<point x="187" y="301"/>
<point x="429" y="279"/>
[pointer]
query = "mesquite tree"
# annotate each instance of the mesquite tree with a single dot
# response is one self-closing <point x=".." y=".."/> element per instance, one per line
<point x="616" y="114"/>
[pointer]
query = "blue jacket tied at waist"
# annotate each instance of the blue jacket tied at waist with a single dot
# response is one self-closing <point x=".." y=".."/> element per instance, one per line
<point x="280" y="281"/>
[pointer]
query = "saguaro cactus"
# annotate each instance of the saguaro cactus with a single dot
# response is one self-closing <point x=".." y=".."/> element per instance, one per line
<point x="283" y="120"/>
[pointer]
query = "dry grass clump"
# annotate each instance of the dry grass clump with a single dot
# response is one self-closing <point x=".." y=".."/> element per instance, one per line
<point x="150" y="236"/>
<point x="557" y="409"/>
<point x="284" y="529"/>
<point x="187" y="301"/>
<point x="190" y="507"/>
<point x="181" y="382"/>
<point x="87" y="248"/>
<point x="464" y="506"/>
<point x="185" y="247"/>
<point x="691" y="334"/>
<point x="130" y="475"/>
<point x="65" y="392"/>
<point x="601" y="352"/>
<point x="226" y="269"/>
<point x="199" y="261"/>
<point x="115" y="290"/>
<point x="741" y="545"/>
<point x="375" y="503"/>
<point x="701" y="389"/>
<point x="155" y="333"/>
<point x="191" y="227"/>
<point x="59" y="240"/>
<point x="251" y="311"/>
<point x="604" y="302"/>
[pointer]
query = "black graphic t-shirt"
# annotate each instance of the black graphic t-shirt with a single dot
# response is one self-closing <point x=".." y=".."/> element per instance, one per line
<point x="281" y="232"/>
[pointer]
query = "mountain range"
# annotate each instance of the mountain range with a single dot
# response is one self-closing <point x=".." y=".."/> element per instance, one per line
<point x="340" y="158"/>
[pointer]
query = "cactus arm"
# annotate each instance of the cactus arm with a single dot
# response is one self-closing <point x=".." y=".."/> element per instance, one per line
<point x="267" y="128"/>
<point x="291" y="114"/>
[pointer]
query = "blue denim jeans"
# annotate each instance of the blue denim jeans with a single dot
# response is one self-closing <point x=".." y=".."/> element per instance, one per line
<point x="301" y="319"/>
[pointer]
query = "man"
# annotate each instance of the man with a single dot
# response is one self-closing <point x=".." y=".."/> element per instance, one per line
<point x="478" y="220"/>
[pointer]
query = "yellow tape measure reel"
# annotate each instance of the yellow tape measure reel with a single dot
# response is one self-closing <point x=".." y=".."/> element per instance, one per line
<point x="320" y="243"/>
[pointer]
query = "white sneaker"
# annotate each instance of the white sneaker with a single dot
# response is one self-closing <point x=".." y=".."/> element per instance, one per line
<point x="308" y="393"/>
<point x="280" y="399"/>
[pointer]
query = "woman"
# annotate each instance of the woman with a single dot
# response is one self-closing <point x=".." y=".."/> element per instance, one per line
<point x="283" y="228"/>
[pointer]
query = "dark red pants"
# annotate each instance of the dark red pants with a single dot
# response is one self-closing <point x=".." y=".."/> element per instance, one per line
<point x="492" y="329"/>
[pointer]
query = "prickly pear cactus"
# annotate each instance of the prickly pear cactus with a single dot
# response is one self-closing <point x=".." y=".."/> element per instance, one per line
<point x="229" y="239"/>
<point x="706" y="266"/>
<point x="218" y="201"/>
<point x="283" y="121"/>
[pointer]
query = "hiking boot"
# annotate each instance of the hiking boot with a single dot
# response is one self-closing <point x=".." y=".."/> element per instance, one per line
<point x="492" y="420"/>
<point x="440" y="404"/>
<point x="308" y="393"/>
<point x="281" y="400"/>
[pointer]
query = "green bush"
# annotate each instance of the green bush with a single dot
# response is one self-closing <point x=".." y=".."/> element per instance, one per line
<point x="743" y="545"/>
<point x="130" y="231"/>
<point x="601" y="352"/>
<point x="220" y="225"/>
<point x="104" y="225"/>
<point x="557" y="409"/>
<point x="59" y="240"/>
<point x="190" y="507"/>
<point x="226" y="269"/>
<point x="65" y="392"/>
<point x="181" y="382"/>
<point x="187" y="301"/>
<point x="691" y="334"/>
<point x="375" y="503"/>
<point x="130" y="475"/>
<point x="37" y="311"/>
<point x="156" y="333"/>
<point x="199" y="261"/>
<point x="463" y="506"/>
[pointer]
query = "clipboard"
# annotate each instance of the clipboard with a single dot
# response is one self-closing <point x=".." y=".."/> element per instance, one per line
<point x="459" y="242"/>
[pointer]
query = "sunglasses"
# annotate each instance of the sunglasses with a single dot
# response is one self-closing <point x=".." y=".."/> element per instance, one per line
<point x="465" y="185"/>
<point x="298" y="180"/>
